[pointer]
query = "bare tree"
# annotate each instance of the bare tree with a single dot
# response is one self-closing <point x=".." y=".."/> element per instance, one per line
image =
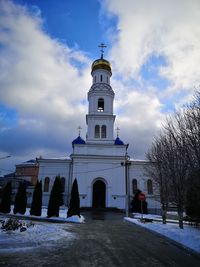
<point x="190" y="128"/>
<point x="175" y="157"/>
<point x="170" y="168"/>
<point x="157" y="170"/>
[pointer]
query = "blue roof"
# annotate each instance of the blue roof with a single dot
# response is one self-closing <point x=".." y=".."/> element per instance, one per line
<point x="118" y="141"/>
<point x="78" y="140"/>
<point x="30" y="161"/>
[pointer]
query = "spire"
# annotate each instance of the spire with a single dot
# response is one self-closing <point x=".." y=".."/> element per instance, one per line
<point x="102" y="46"/>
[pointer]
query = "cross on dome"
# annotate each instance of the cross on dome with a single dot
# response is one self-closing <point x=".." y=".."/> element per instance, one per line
<point x="117" y="130"/>
<point x="102" y="46"/>
<point x="79" y="130"/>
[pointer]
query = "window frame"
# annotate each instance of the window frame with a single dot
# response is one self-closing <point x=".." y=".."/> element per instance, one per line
<point x="46" y="184"/>
<point x="103" y="131"/>
<point x="97" y="131"/>
<point x="149" y="187"/>
<point x="134" y="185"/>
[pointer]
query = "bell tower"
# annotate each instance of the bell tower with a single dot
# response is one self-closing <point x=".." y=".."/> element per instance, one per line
<point x="100" y="118"/>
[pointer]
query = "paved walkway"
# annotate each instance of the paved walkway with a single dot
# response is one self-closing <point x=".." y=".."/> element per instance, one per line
<point x="107" y="240"/>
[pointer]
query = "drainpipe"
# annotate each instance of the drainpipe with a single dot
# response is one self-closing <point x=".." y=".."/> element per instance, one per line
<point x="70" y="181"/>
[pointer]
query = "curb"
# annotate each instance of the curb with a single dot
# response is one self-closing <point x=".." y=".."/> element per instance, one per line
<point x="34" y="218"/>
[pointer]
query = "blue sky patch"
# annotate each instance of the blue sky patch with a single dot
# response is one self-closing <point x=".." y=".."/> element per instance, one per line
<point x="150" y="72"/>
<point x="78" y="22"/>
<point x="8" y="116"/>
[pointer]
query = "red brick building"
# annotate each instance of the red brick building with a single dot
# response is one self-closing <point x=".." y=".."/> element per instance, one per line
<point x="27" y="171"/>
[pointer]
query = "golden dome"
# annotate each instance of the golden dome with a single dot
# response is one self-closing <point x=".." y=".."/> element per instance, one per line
<point x="101" y="64"/>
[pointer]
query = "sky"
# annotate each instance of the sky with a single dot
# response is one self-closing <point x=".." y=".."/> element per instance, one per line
<point x="46" y="51"/>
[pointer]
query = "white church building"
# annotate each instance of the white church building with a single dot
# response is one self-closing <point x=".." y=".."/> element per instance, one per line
<point x="106" y="175"/>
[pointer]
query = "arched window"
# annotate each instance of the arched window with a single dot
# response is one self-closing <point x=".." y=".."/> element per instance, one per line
<point x="97" y="131"/>
<point x="63" y="184"/>
<point x="46" y="184"/>
<point x="101" y="78"/>
<point x="103" y="131"/>
<point x="149" y="187"/>
<point x="134" y="186"/>
<point x="100" y="107"/>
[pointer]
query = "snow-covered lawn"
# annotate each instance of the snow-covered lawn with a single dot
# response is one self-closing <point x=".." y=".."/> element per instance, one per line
<point x="188" y="237"/>
<point x="41" y="234"/>
<point x="36" y="236"/>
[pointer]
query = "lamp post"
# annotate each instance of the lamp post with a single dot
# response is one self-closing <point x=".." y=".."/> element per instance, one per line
<point x="126" y="164"/>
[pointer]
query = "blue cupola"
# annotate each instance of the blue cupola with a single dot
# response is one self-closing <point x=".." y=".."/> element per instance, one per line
<point x="78" y="140"/>
<point x="118" y="141"/>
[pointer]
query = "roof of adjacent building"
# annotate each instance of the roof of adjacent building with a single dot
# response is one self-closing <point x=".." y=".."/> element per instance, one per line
<point x="29" y="162"/>
<point x="33" y="161"/>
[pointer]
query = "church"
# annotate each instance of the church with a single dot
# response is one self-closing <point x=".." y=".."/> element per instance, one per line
<point x="107" y="177"/>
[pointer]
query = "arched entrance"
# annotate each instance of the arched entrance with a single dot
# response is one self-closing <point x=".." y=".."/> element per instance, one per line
<point x="99" y="194"/>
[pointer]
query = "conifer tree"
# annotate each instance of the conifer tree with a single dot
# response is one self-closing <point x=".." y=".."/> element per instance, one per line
<point x="74" y="206"/>
<point x="36" y="205"/>
<point x="6" y="198"/>
<point x="56" y="198"/>
<point x="20" y="199"/>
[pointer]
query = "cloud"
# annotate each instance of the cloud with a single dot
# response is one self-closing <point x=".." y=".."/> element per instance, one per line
<point x="166" y="28"/>
<point x="40" y="81"/>
<point x="155" y="58"/>
<point x="45" y="83"/>
<point x="139" y="118"/>
<point x="36" y="67"/>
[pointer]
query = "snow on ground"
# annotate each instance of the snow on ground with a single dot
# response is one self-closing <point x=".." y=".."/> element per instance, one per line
<point x="76" y="219"/>
<point x="47" y="234"/>
<point x="41" y="234"/>
<point x="62" y="215"/>
<point x="188" y="237"/>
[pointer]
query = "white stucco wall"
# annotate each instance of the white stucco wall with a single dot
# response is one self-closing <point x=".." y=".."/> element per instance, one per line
<point x="51" y="168"/>
<point x="137" y="171"/>
<point x="109" y="170"/>
<point x="88" y="168"/>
